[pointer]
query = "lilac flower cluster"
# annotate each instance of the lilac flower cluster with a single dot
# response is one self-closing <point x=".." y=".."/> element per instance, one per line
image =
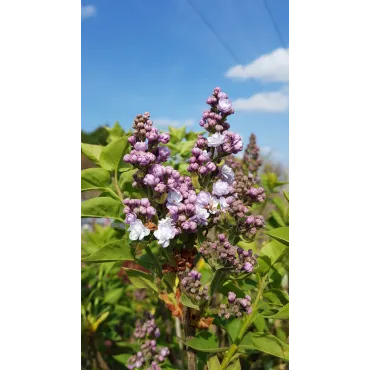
<point x="222" y="253"/>
<point x="251" y="155"/>
<point x="214" y="119"/>
<point x="234" y="163"/>
<point x="182" y="210"/>
<point x="218" y="253"/>
<point x="200" y="161"/>
<point x="148" y="329"/>
<point x="246" y="260"/>
<point x="207" y="152"/>
<point x="148" y="354"/>
<point x="246" y="190"/>
<point x="238" y="209"/>
<point x="145" y="142"/>
<point x="194" y="288"/>
<point x="135" y="208"/>
<point x="235" y="306"/>
<point x="253" y="224"/>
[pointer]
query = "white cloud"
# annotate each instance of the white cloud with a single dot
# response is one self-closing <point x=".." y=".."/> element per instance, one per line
<point x="265" y="150"/>
<point x="272" y="102"/>
<point x="173" y="123"/>
<point x="87" y="11"/>
<point x="273" y="67"/>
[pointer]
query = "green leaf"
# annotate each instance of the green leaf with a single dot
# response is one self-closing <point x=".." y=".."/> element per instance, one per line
<point x="270" y="254"/>
<point x="92" y="151"/>
<point x="233" y="327"/>
<point x="94" y="178"/>
<point x="122" y="358"/>
<point x="186" y="147"/>
<point x="141" y="279"/>
<point x="265" y="343"/>
<point x="282" y="314"/>
<point x="248" y="245"/>
<point x="116" y="132"/>
<point x="183" y="168"/>
<point x="101" y="318"/>
<point x="279" y="203"/>
<point x="112" y="154"/>
<point x="234" y="366"/>
<point x="276" y="296"/>
<point x="170" y="277"/>
<point x="259" y="323"/>
<point x="101" y="207"/>
<point x="277" y="217"/>
<point x="193" y="135"/>
<point x="213" y="363"/>
<point x="217" y="280"/>
<point x="177" y="134"/>
<point x="205" y="342"/>
<point x="281" y="234"/>
<point x="230" y="286"/>
<point x="113" y="296"/>
<point x="186" y="301"/>
<point x="117" y="250"/>
<point x="126" y="177"/>
<point x="286" y="195"/>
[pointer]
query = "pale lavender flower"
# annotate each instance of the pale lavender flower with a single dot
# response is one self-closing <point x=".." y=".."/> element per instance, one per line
<point x="174" y="198"/>
<point x="224" y="105"/>
<point x="220" y="188"/>
<point x="223" y="204"/>
<point x="130" y="218"/>
<point x="227" y="174"/>
<point x="201" y="215"/>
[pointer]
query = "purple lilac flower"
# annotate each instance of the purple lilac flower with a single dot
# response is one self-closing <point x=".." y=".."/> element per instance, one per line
<point x="235" y="306"/>
<point x="214" y="119"/>
<point x="193" y="287"/>
<point x="135" y="208"/>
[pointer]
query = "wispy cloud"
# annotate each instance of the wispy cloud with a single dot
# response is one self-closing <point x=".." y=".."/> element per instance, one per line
<point x="265" y="150"/>
<point x="270" y="102"/>
<point x="87" y="11"/>
<point x="273" y="67"/>
<point x="173" y="123"/>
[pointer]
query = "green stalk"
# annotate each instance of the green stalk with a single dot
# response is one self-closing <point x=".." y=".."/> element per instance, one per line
<point x="247" y="321"/>
<point x="115" y="182"/>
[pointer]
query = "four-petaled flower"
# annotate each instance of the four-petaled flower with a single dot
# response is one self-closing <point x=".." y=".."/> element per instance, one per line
<point x="216" y="140"/>
<point x="174" y="198"/>
<point x="138" y="231"/>
<point x="165" y="232"/>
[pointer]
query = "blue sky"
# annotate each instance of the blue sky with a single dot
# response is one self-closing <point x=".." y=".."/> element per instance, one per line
<point x="159" y="56"/>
